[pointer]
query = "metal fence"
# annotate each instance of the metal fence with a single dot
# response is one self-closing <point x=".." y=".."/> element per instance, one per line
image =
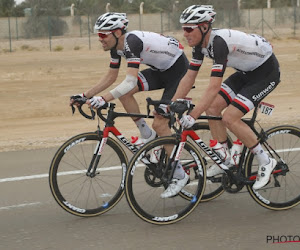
<point x="50" y="32"/>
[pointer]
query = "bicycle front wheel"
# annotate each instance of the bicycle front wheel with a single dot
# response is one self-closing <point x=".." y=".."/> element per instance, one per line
<point x="79" y="192"/>
<point x="283" y="190"/>
<point x="145" y="181"/>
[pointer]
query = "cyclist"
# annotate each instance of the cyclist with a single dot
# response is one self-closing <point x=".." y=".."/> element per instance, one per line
<point x="167" y="61"/>
<point x="257" y="74"/>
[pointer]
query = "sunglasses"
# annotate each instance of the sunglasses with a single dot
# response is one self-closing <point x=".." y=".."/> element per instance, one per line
<point x="105" y="34"/>
<point x="189" y="29"/>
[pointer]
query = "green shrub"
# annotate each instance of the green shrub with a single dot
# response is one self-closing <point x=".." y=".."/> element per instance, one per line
<point x="58" y="48"/>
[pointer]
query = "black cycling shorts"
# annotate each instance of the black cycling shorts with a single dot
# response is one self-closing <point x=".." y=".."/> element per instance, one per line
<point x="152" y="79"/>
<point x="245" y="90"/>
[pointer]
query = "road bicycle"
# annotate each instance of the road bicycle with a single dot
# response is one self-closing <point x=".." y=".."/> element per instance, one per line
<point x="87" y="173"/>
<point x="280" y="142"/>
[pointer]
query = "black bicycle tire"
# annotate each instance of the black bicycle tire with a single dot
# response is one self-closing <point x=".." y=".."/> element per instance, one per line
<point x="132" y="201"/>
<point x="55" y="188"/>
<point x="260" y="197"/>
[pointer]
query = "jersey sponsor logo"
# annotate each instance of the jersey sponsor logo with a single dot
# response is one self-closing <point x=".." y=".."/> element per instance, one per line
<point x="249" y="53"/>
<point x="264" y="92"/>
<point x="210" y="52"/>
<point x="173" y="41"/>
<point x="133" y="60"/>
<point x="162" y="52"/>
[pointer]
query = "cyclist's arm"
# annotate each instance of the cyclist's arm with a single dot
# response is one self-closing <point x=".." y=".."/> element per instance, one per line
<point x="216" y="78"/>
<point x="134" y="47"/>
<point x="129" y="83"/>
<point x="185" y="84"/>
<point x="208" y="96"/>
<point x="188" y="80"/>
<point x="104" y="82"/>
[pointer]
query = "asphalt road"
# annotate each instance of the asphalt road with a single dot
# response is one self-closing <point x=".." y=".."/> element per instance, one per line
<point x="31" y="219"/>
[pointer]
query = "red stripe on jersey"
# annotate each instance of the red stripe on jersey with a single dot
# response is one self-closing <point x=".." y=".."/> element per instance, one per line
<point x="242" y="105"/>
<point x="133" y="62"/>
<point x="216" y="70"/>
<point x="194" y="64"/>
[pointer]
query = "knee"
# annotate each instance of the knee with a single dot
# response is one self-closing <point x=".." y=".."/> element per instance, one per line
<point x="229" y="120"/>
<point x="226" y="120"/>
<point x="159" y="124"/>
<point x="123" y="98"/>
<point x="215" y="110"/>
<point x="156" y="125"/>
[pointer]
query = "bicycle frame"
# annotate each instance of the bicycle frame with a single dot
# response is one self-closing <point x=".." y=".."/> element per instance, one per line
<point x="239" y="178"/>
<point x="109" y="128"/>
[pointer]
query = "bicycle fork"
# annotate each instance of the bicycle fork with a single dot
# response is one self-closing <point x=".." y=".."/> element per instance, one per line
<point x="91" y="171"/>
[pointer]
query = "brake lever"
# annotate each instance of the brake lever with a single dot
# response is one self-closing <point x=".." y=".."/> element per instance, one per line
<point x="73" y="109"/>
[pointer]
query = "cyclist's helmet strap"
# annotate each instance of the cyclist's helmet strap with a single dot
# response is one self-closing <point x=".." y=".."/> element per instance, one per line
<point x="197" y="14"/>
<point x="112" y="21"/>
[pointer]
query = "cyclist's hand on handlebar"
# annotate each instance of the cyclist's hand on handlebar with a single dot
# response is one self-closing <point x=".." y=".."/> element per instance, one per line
<point x="96" y="102"/>
<point x="77" y="100"/>
<point x="162" y="110"/>
<point x="187" y="121"/>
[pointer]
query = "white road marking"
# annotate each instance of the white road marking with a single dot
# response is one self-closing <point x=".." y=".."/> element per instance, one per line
<point x="20" y="205"/>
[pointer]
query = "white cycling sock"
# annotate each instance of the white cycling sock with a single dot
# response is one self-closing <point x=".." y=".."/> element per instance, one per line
<point x="145" y="131"/>
<point x="260" y="154"/>
<point x="179" y="172"/>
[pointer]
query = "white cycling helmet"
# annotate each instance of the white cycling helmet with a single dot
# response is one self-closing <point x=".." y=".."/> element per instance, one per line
<point x="198" y="14"/>
<point x="111" y="21"/>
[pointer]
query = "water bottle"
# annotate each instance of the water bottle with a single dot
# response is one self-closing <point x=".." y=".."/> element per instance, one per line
<point x="236" y="151"/>
<point x="220" y="150"/>
<point x="155" y="154"/>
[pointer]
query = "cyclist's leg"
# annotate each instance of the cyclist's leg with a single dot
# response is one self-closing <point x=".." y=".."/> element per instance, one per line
<point x="131" y="106"/>
<point x="228" y="92"/>
<point x="229" y="88"/>
<point x="169" y="81"/>
<point x="256" y="85"/>
<point x="217" y="128"/>
<point x="129" y="102"/>
<point x="260" y="83"/>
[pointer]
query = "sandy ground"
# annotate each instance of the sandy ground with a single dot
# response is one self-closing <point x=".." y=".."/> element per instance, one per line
<point x="35" y="87"/>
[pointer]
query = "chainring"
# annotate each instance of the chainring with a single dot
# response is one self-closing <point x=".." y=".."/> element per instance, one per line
<point x="229" y="185"/>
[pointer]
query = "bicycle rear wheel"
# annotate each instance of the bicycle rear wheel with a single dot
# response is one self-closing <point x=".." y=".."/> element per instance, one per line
<point x="145" y="182"/>
<point x="283" y="190"/>
<point x="73" y="189"/>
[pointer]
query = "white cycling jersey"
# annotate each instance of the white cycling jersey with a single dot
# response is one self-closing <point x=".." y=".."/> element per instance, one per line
<point x="236" y="49"/>
<point x="157" y="51"/>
